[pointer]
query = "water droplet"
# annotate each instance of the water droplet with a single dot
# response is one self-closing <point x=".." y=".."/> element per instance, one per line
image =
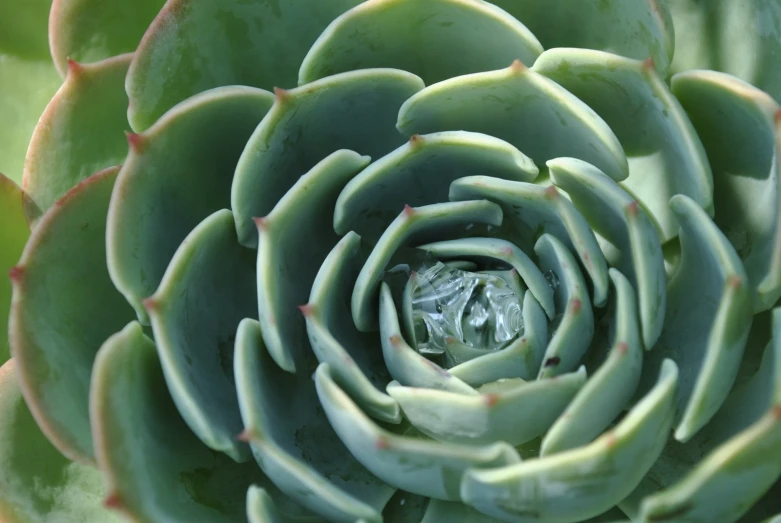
<point x="552" y="278"/>
<point x="478" y="310"/>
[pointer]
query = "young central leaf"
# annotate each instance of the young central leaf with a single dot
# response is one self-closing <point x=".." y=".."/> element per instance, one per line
<point x="479" y="310"/>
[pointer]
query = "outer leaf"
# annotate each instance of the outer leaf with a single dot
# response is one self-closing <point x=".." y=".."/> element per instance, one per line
<point x="518" y="105"/>
<point x="452" y="512"/>
<point x="36" y="481"/>
<point x="64" y="307"/>
<point x="666" y="156"/>
<point x="609" y="390"/>
<point x="293" y="442"/>
<point x="634" y="29"/>
<point x="616" y="216"/>
<point x="420" y="173"/>
<point x="535" y="210"/>
<point x="516" y="413"/>
<point x="423" y="467"/>
<point x="347" y="111"/>
<point x="261" y="509"/>
<point x="736" y="124"/>
<point x="13" y="236"/>
<point x="355" y="358"/>
<point x="208" y="288"/>
<point x="155" y="468"/>
<point x="582" y="482"/>
<point x="193" y="46"/>
<point x="92" y="30"/>
<point x="79" y="133"/>
<point x="436" y="40"/>
<point x="419" y="225"/>
<point x="740" y="37"/>
<point x="177" y="173"/>
<point x="707" y="321"/>
<point x="294" y="239"/>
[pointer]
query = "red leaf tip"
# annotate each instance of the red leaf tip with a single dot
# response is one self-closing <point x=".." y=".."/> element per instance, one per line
<point x="491" y="400"/>
<point x="246" y="435"/>
<point x="150" y="303"/>
<point x="16" y="273"/>
<point x="415" y="140"/>
<point x="778" y="116"/>
<point x="382" y="443"/>
<point x="408" y="211"/>
<point x="395" y="340"/>
<point x="113" y="501"/>
<point x="551" y="192"/>
<point x="622" y="347"/>
<point x="74" y="67"/>
<point x="633" y="209"/>
<point x="517" y="66"/>
<point x="261" y="223"/>
<point x="307" y="309"/>
<point x="280" y="95"/>
<point x="136" y="142"/>
<point x="649" y="64"/>
<point x="776" y="411"/>
<point x="734" y="282"/>
<point x="575" y="305"/>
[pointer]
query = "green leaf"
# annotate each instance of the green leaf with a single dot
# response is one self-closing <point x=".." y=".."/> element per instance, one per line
<point x="420" y="466"/>
<point x="23" y="29"/>
<point x="156" y="469"/>
<point x="176" y="174"/>
<point x="293" y="441"/>
<point x="64" y="306"/>
<point x="534" y="210"/>
<point x="293" y="241"/>
<point x="665" y="154"/>
<point x="355" y="358"/>
<point x="208" y="288"/>
<point x="582" y="482"/>
<point x="406" y="365"/>
<point x="611" y="387"/>
<point x="707" y="322"/>
<point x="420" y="173"/>
<point x="436" y="40"/>
<point x="515" y="413"/>
<point x="13" y="236"/>
<point x="194" y="46"/>
<point x="93" y="30"/>
<point x="36" y="482"/>
<point x="736" y="124"/>
<point x="453" y="512"/>
<point x="618" y="218"/>
<point x="573" y="326"/>
<point x="262" y="509"/>
<point x="739" y="37"/>
<point x="520" y="106"/>
<point x="413" y="226"/>
<point x="637" y="29"/>
<point x="79" y="133"/>
<point x="353" y="111"/>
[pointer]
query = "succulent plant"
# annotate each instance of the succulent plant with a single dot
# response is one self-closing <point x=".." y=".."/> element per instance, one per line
<point x="394" y="260"/>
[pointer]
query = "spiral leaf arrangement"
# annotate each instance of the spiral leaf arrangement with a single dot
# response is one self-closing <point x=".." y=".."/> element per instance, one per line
<point x="221" y="324"/>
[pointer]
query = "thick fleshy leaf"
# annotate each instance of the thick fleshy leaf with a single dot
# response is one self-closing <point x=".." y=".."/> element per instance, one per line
<point x="740" y="37"/>
<point x="520" y="359"/>
<point x="36" y="482"/>
<point x="520" y="106"/>
<point x="353" y="111"/>
<point x="420" y="173"/>
<point x="293" y="441"/>
<point x="618" y="218"/>
<point x="155" y="468"/>
<point x="515" y="413"/>
<point x="80" y="132"/>
<point x="293" y="241"/>
<point x="405" y="507"/>
<point x="404" y="363"/>
<point x="423" y="467"/>
<point x="355" y="358"/>
<point x="636" y="29"/>
<point x="708" y="319"/>
<point x="177" y="173"/>
<point x="573" y="326"/>
<point x="436" y="40"/>
<point x="414" y="226"/>
<point x="13" y="236"/>
<point x="93" y="30"/>
<point x="665" y="154"/>
<point x="193" y="46"/>
<point x="64" y="306"/>
<point x="534" y="210"/>
<point x="262" y="509"/>
<point x="610" y="389"/>
<point x="582" y="482"/>
<point x="26" y="86"/>
<point x="735" y="459"/>
<point x="503" y="251"/>
<point x="452" y="512"/>
<point x="208" y="288"/>
<point x="736" y="124"/>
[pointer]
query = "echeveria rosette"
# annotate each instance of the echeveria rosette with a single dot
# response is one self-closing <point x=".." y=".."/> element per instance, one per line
<point x="205" y="329"/>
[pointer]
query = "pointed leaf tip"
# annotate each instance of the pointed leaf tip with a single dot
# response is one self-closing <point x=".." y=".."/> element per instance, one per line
<point x="632" y="209"/>
<point x="135" y="141"/>
<point x="113" y="500"/>
<point x="74" y="68"/>
<point x="307" y="309"/>
<point x="517" y="66"/>
<point x="16" y="273"/>
<point x="246" y="435"/>
<point x="575" y="305"/>
<point x="491" y="400"/>
<point x="648" y="64"/>
<point x="551" y="192"/>
<point x="150" y="304"/>
<point x="395" y="340"/>
<point x="415" y="140"/>
<point x="280" y="95"/>
<point x="408" y="211"/>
